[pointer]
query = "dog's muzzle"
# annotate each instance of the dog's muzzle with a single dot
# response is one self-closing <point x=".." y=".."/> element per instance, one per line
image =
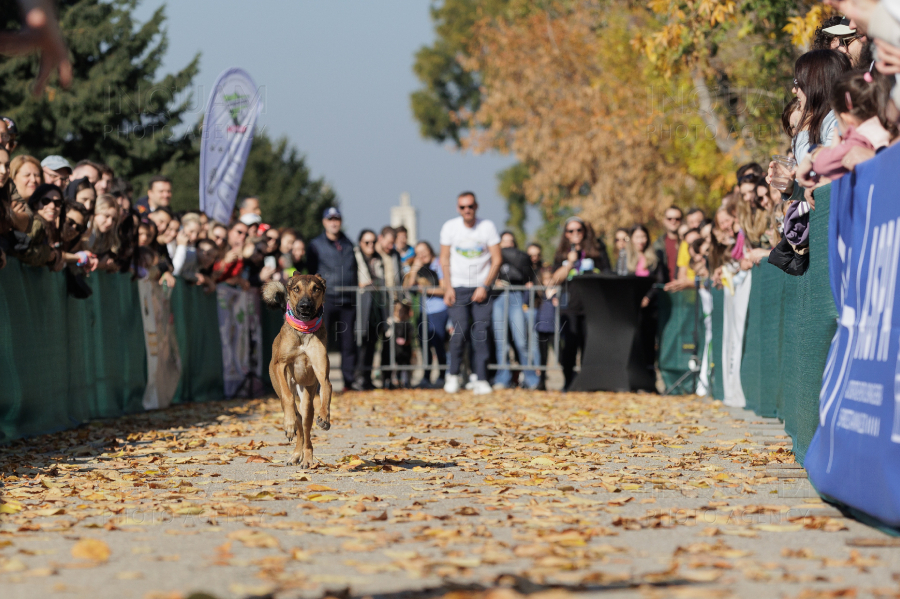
<point x="306" y="308"/>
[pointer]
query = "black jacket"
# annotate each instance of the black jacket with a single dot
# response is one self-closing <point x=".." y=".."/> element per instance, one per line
<point x="337" y="267"/>
<point x="516" y="267"/>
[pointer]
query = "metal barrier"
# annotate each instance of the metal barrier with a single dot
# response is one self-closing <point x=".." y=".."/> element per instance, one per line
<point x="421" y="292"/>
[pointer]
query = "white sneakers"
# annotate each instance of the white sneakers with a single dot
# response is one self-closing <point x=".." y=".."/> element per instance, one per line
<point x="481" y="388"/>
<point x="451" y="385"/>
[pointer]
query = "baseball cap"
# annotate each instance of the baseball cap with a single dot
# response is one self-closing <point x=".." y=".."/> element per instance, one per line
<point x="331" y="213"/>
<point x="251" y="219"/>
<point x="842" y="28"/>
<point x="54" y="163"/>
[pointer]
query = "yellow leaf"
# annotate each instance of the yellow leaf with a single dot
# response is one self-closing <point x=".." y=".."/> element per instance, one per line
<point x="10" y="507"/>
<point x="92" y="549"/>
<point x="542" y="461"/>
<point x="254" y="538"/>
<point x="779" y="527"/>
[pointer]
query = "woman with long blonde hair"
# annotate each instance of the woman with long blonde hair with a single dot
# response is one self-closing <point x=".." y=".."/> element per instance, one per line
<point x="104" y="238"/>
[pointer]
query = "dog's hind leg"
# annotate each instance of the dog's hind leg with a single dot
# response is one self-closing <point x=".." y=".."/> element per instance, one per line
<point x="285" y="392"/>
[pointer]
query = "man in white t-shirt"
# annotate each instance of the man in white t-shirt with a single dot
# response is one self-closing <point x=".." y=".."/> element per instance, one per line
<point x="470" y="257"/>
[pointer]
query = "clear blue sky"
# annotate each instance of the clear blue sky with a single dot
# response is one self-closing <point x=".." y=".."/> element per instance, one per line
<point x="337" y="78"/>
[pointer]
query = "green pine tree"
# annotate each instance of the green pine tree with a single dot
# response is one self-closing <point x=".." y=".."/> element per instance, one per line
<point x="116" y="111"/>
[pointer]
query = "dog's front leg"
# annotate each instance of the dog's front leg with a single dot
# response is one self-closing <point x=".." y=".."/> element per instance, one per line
<point x="323" y="403"/>
<point x="285" y="392"/>
<point x="303" y="451"/>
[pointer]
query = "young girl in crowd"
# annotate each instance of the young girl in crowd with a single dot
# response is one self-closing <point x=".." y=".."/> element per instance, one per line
<point x="545" y="321"/>
<point x="104" y="238"/>
<point x="45" y="203"/>
<point x="73" y="223"/>
<point x="859" y="99"/>
<point x="425" y="271"/>
<point x="81" y="191"/>
<point x="184" y="260"/>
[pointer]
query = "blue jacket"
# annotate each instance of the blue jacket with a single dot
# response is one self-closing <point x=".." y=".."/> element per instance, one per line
<point x="338" y="268"/>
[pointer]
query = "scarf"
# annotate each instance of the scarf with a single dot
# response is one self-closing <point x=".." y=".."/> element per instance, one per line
<point x="304" y="327"/>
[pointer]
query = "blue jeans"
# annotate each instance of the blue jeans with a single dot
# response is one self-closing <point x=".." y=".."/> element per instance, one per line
<point x="437" y="339"/>
<point x="516" y="321"/>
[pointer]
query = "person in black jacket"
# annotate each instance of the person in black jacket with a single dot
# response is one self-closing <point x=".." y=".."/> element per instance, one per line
<point x="331" y="256"/>
<point x="516" y="269"/>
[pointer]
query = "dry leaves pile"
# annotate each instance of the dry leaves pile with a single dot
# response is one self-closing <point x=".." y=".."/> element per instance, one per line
<point x="670" y="496"/>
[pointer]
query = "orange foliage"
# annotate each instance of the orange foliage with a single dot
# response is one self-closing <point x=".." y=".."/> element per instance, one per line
<point x="565" y="95"/>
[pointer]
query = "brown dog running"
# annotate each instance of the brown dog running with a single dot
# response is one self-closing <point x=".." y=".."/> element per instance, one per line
<point x="300" y="360"/>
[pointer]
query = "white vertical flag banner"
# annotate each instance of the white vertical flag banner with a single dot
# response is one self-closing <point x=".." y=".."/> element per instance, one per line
<point x="227" y="134"/>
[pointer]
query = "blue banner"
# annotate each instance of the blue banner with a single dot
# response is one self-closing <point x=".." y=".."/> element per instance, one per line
<point x="854" y="456"/>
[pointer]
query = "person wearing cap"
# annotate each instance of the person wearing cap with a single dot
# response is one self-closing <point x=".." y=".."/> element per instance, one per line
<point x="330" y="255"/>
<point x="849" y="39"/>
<point x="57" y="170"/>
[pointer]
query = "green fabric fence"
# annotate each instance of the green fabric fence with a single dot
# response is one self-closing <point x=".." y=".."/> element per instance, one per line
<point x="677" y="316"/>
<point x="199" y="344"/>
<point x="790" y="323"/>
<point x="65" y="361"/>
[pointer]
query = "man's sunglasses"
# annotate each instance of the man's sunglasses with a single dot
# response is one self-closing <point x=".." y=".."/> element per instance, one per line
<point x="673" y="218"/>
<point x="846" y="41"/>
<point x="466" y="206"/>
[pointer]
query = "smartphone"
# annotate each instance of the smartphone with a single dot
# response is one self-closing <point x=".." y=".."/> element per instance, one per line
<point x="269" y="262"/>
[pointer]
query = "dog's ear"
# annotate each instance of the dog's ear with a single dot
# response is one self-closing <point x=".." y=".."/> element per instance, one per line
<point x="274" y="294"/>
<point x="322" y="281"/>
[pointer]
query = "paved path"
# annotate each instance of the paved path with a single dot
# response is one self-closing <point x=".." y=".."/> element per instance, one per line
<point x="614" y="494"/>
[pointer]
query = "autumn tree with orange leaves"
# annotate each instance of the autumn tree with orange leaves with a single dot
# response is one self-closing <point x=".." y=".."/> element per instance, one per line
<point x="616" y="109"/>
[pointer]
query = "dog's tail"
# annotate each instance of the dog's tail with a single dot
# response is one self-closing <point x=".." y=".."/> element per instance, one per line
<point x="274" y="294"/>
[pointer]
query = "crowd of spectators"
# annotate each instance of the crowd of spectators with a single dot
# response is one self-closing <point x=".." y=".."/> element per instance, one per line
<point x="470" y="297"/>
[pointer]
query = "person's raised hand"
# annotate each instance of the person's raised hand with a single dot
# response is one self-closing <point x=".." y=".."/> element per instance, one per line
<point x="855" y="10"/>
<point x="167" y="279"/>
<point x="572" y="257"/>
<point x="265" y="274"/>
<point x="181" y="238"/>
<point x="645" y="301"/>
<point x="58" y="261"/>
<point x="20" y="215"/>
<point x="479" y="295"/>
<point x="856" y="155"/>
<point x="888" y="62"/>
<point x="40" y="33"/>
<point x="805" y="176"/>
<point x="450" y="296"/>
